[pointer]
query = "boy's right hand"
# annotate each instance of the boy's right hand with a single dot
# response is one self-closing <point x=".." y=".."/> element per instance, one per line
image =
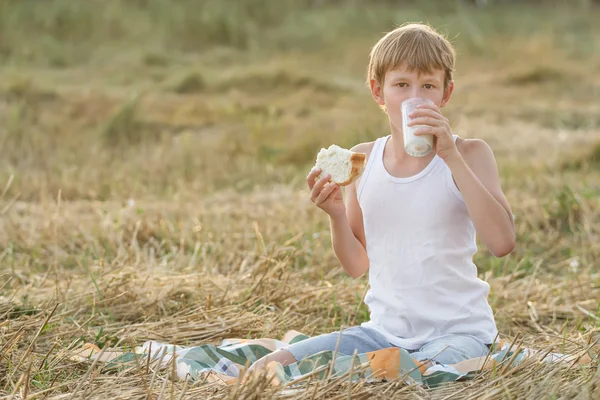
<point x="326" y="195"/>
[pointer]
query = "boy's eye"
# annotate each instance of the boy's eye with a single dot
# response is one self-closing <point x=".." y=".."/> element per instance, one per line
<point x="402" y="84"/>
<point x="428" y="86"/>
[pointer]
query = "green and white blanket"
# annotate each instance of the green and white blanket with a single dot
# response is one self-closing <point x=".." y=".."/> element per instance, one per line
<point x="225" y="362"/>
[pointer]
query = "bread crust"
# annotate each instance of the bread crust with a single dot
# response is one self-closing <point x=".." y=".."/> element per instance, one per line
<point x="358" y="164"/>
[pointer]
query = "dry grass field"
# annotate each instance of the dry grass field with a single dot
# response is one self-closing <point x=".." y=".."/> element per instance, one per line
<point x="153" y="157"/>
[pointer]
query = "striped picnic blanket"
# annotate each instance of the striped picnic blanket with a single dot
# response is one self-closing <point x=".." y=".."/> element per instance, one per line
<point x="225" y="362"/>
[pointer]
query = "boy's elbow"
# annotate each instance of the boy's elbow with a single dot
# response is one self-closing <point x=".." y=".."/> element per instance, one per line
<point x="357" y="273"/>
<point x="504" y="249"/>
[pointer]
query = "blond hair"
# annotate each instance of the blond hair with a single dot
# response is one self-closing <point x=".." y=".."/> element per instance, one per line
<point x="419" y="46"/>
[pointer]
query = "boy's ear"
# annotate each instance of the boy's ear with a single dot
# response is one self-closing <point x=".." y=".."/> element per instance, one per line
<point x="447" y="93"/>
<point x="377" y="92"/>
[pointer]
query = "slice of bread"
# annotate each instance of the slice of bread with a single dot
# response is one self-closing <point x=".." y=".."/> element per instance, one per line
<point x="343" y="165"/>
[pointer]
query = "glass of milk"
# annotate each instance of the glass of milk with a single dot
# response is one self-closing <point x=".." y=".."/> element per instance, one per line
<point x="416" y="146"/>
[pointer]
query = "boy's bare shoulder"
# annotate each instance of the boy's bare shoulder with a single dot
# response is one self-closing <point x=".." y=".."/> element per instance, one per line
<point x="474" y="148"/>
<point x="366" y="148"/>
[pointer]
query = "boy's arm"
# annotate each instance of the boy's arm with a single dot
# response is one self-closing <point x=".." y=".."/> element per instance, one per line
<point x="347" y="231"/>
<point x="348" y="249"/>
<point x="475" y="173"/>
<point x="347" y="234"/>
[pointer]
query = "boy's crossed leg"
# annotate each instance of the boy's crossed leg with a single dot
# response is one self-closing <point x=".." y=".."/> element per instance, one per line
<point x="450" y="349"/>
<point x="357" y="338"/>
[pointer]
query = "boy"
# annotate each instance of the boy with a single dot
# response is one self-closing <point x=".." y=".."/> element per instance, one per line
<point x="412" y="221"/>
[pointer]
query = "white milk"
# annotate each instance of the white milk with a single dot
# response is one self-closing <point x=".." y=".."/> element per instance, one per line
<point x="416" y="146"/>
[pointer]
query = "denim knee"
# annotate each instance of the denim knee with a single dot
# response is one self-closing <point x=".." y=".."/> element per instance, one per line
<point x="451" y="349"/>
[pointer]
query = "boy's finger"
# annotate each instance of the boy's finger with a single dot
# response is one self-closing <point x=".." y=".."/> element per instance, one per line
<point x="322" y="181"/>
<point x="310" y="178"/>
<point x="333" y="193"/>
<point x="424" y="121"/>
<point x="426" y="106"/>
<point x="325" y="193"/>
<point x="318" y="186"/>
<point x="426" y="131"/>
<point x="424" y="112"/>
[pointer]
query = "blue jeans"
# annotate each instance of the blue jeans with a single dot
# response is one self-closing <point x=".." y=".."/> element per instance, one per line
<point x="449" y="349"/>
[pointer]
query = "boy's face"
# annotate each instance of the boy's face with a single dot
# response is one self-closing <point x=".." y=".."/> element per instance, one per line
<point x="401" y="84"/>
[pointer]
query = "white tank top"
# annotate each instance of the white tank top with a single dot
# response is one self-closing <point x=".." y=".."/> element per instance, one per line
<point x="420" y="243"/>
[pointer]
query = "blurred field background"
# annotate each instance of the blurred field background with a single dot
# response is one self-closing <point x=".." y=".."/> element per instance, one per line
<point x="153" y="157"/>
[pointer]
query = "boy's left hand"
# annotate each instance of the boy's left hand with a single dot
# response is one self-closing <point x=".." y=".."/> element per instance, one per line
<point x="436" y="125"/>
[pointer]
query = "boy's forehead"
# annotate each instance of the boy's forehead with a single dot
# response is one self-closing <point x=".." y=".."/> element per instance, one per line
<point x="403" y="71"/>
